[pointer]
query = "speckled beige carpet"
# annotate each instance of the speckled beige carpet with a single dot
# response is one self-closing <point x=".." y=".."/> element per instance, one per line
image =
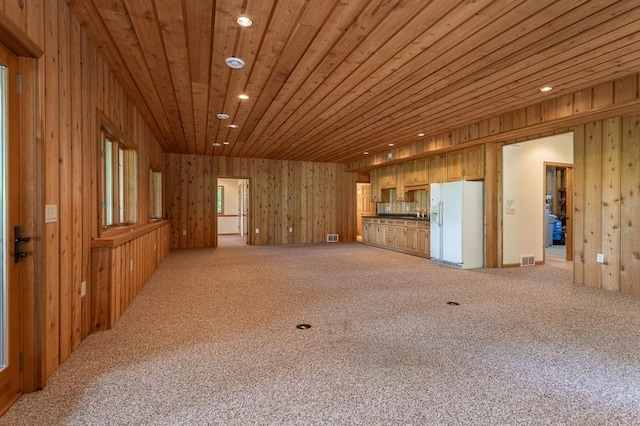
<point x="212" y="339"/>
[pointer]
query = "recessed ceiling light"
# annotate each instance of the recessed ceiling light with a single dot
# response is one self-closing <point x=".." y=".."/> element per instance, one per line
<point x="366" y="153"/>
<point x="235" y="63"/>
<point x="222" y="116"/>
<point x="421" y="134"/>
<point x="233" y="126"/>
<point x="225" y="143"/>
<point x="243" y="96"/>
<point x="216" y="144"/>
<point x="546" y="88"/>
<point x="390" y="144"/>
<point x="244" y="21"/>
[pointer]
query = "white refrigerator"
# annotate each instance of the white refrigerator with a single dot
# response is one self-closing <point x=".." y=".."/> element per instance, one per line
<point x="457" y="224"/>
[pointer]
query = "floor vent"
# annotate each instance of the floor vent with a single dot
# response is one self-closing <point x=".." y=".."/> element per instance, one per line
<point x="332" y="238"/>
<point x="527" y="261"/>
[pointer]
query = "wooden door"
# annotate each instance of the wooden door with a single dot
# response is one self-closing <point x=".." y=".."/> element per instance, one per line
<point x="10" y="320"/>
<point x="366" y="207"/>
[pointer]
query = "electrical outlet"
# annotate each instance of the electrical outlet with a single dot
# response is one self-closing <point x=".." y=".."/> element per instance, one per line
<point x="131" y="267"/>
<point x="290" y="229"/>
<point x="600" y="258"/>
<point x="184" y="232"/>
<point x="257" y="230"/>
<point x="83" y="289"/>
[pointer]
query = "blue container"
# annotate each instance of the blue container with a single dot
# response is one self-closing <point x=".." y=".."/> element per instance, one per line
<point x="557" y="231"/>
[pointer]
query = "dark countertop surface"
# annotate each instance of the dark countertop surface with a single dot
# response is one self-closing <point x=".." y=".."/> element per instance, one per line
<point x="398" y="216"/>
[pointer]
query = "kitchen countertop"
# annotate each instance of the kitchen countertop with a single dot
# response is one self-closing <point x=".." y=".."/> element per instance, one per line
<point x="398" y="217"/>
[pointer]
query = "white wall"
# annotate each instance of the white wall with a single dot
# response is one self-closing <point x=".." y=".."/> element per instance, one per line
<point x="229" y="225"/>
<point x="523" y="166"/>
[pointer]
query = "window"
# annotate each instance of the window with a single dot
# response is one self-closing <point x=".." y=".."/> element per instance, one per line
<point x="155" y="194"/>
<point x="221" y="200"/>
<point x="119" y="182"/>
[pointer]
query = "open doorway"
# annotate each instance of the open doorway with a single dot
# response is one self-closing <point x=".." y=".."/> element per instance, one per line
<point x="232" y="212"/>
<point x="524" y="193"/>
<point x="558" y="239"/>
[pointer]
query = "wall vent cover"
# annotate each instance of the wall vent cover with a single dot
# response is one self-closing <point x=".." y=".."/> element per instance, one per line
<point x="332" y="238"/>
<point x="527" y="261"/>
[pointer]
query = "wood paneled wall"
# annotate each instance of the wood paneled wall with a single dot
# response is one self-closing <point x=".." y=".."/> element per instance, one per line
<point x="121" y="267"/>
<point x="606" y="100"/>
<point x="605" y="122"/>
<point x="606" y="204"/>
<point x="313" y="199"/>
<point x="64" y="93"/>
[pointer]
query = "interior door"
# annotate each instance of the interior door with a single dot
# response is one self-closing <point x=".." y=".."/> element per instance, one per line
<point x="245" y="210"/>
<point x="10" y="368"/>
<point x="365" y="206"/>
<point x="241" y="230"/>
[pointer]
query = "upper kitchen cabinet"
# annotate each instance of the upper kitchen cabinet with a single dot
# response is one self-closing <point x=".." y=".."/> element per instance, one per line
<point x="437" y="168"/>
<point x="416" y="172"/>
<point x="382" y="179"/>
<point x="467" y="164"/>
<point x="387" y="176"/>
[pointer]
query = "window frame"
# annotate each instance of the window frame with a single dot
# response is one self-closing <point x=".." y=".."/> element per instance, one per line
<point x="156" y="209"/>
<point x="119" y="191"/>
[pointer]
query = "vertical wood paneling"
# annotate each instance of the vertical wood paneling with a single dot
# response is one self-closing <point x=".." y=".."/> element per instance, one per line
<point x="579" y="172"/>
<point x="62" y="94"/>
<point x="65" y="213"/>
<point x="312" y="198"/>
<point x="629" y="217"/>
<point x="611" y="204"/>
<point x="89" y="166"/>
<point x="491" y="191"/>
<point x="208" y="204"/>
<point x="51" y="191"/>
<point x="593" y="203"/>
<point x="77" y="163"/>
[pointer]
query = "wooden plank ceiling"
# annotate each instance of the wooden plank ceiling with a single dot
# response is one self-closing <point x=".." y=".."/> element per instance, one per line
<point x="331" y="79"/>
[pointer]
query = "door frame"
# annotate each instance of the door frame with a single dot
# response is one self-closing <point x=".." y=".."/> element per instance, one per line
<point x="248" y="237"/>
<point x="24" y="132"/>
<point x="568" y="206"/>
<point x="24" y="196"/>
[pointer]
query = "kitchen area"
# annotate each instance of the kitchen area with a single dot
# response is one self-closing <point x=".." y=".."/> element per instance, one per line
<point x="411" y="216"/>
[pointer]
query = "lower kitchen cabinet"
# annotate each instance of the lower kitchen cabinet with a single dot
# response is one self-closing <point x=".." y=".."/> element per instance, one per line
<point x="423" y="242"/>
<point x="402" y="235"/>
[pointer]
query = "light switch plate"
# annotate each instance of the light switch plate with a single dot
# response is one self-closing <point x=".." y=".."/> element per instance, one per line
<point x="50" y="213"/>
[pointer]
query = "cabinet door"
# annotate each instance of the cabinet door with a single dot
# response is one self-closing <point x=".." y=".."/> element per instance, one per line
<point x="455" y="165"/>
<point x="387" y="177"/>
<point x="474" y="162"/>
<point x="409" y="173"/>
<point x="381" y="235"/>
<point x="411" y="243"/>
<point x="421" y="171"/>
<point x="423" y="241"/>
<point x="437" y="172"/>
<point x="369" y="231"/>
<point x="401" y="236"/>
